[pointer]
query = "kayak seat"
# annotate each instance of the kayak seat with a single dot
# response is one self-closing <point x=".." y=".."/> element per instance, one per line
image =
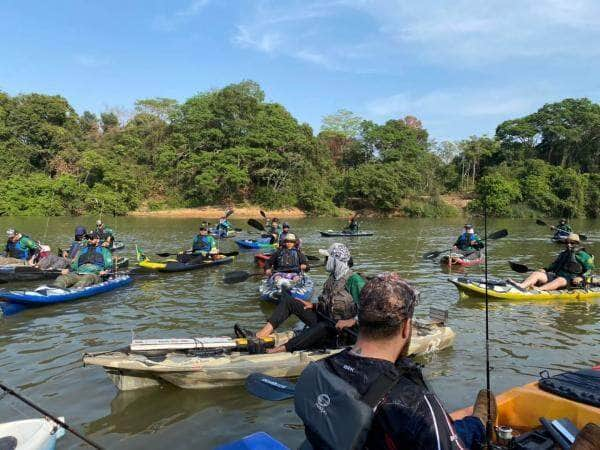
<point x="8" y="443"/>
<point x="581" y="386"/>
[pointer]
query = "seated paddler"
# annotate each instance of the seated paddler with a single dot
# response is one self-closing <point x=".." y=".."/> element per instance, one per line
<point x="287" y="261"/>
<point x="468" y="243"/>
<point x="204" y="246"/>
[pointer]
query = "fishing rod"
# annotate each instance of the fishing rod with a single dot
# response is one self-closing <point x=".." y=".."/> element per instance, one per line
<point x="489" y="425"/>
<point x="47" y="414"/>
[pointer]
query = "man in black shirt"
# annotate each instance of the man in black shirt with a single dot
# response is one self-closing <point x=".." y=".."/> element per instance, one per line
<point x="408" y="415"/>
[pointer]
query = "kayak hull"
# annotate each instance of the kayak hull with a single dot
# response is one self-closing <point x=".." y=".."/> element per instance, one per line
<point x="256" y="441"/>
<point x="342" y="234"/>
<point x="131" y="371"/>
<point x="32" y="299"/>
<point x="30" y="273"/>
<point x="302" y="290"/>
<point x="175" y="266"/>
<point x="471" y="288"/>
<point x="521" y="408"/>
<point x="253" y="244"/>
<point x="33" y="434"/>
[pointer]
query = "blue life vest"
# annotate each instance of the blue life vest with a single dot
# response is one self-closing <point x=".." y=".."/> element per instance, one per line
<point x="75" y="246"/>
<point x="16" y="249"/>
<point x="91" y="255"/>
<point x="465" y="241"/>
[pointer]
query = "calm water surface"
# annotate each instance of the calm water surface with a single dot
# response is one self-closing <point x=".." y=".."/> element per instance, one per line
<point x="40" y="350"/>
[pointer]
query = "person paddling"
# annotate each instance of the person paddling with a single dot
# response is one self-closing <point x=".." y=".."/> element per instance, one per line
<point x="284" y="233"/>
<point x="223" y="227"/>
<point x="336" y="308"/>
<point x="204" y="245"/>
<point x="570" y="268"/>
<point x="352" y="224"/>
<point x="376" y="376"/>
<point x="78" y="242"/>
<point x="91" y="262"/>
<point x="106" y="234"/>
<point x="287" y="261"/>
<point x="468" y="243"/>
<point x="562" y="228"/>
<point x="20" y="249"/>
<point x="273" y="229"/>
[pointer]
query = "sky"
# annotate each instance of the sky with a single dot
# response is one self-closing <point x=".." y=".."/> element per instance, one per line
<point x="461" y="67"/>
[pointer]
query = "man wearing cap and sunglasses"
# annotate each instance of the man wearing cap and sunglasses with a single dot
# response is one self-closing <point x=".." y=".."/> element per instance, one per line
<point x="106" y="235"/>
<point x="571" y="267"/>
<point x="468" y="242"/>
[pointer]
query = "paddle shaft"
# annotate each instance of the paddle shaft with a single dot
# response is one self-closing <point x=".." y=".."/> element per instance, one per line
<point x="497" y="235"/>
<point x="47" y="414"/>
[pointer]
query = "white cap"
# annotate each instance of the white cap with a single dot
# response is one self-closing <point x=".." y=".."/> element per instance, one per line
<point x="98" y="222"/>
<point x="11" y="232"/>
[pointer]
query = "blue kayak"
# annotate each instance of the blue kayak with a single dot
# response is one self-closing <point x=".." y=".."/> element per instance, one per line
<point x="14" y="301"/>
<point x="270" y="291"/>
<point x="255" y="441"/>
<point x="255" y="244"/>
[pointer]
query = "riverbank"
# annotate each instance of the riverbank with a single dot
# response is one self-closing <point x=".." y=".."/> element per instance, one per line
<point x="214" y="212"/>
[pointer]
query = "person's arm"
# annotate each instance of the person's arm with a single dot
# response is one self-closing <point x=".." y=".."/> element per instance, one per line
<point x="354" y="285"/>
<point x="108" y="261"/>
<point x="303" y="261"/>
<point x="269" y="263"/>
<point x="586" y="260"/>
<point x="478" y="243"/>
<point x="75" y="261"/>
<point x="555" y="265"/>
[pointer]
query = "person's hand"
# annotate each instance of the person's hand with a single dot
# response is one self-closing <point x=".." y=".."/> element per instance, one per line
<point x="103" y="272"/>
<point x="303" y="267"/>
<point x="105" y="244"/>
<point x="341" y="324"/>
<point x="307" y="305"/>
<point x="268" y="272"/>
<point x="552" y="227"/>
<point x="64" y="271"/>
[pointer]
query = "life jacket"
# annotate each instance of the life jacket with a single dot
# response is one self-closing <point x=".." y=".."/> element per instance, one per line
<point x="91" y="255"/>
<point x="335" y="301"/>
<point x="288" y="260"/>
<point x="16" y="249"/>
<point x="568" y="262"/>
<point x="202" y="244"/>
<point x="75" y="246"/>
<point x="464" y="241"/>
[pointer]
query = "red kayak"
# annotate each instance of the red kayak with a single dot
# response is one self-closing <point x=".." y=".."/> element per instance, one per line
<point x="458" y="259"/>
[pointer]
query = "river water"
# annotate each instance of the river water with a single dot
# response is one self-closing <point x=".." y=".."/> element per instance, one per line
<point x="40" y="350"/>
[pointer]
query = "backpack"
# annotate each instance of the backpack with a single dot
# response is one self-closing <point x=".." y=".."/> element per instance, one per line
<point x="335" y="415"/>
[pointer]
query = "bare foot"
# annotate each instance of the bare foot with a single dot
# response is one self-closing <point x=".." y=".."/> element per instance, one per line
<point x="265" y="331"/>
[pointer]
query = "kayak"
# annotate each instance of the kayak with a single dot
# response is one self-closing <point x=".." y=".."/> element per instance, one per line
<point x="255" y="243"/>
<point x="48" y="295"/>
<point x="458" y="259"/>
<point x="222" y="234"/>
<point x="31" y="434"/>
<point x="256" y="441"/>
<point x="261" y="258"/>
<point x="521" y="407"/>
<point x="501" y="290"/>
<point x="117" y="246"/>
<point x="331" y="233"/>
<point x="204" y="363"/>
<point x="270" y="290"/>
<point x="172" y="265"/>
<point x="31" y="273"/>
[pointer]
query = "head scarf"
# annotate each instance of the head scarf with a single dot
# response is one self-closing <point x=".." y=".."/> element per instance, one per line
<point x="337" y="260"/>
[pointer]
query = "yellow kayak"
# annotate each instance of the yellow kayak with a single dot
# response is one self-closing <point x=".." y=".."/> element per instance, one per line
<point x="521" y="408"/>
<point x="172" y="265"/>
<point x="500" y="290"/>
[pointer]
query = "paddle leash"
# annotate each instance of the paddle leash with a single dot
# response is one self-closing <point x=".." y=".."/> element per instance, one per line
<point x="47" y="414"/>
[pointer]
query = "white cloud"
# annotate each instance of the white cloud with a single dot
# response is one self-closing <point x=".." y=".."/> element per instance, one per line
<point x="92" y="61"/>
<point x="172" y="21"/>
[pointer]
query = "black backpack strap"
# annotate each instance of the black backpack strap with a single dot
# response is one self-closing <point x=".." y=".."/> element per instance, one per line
<point x="382" y="385"/>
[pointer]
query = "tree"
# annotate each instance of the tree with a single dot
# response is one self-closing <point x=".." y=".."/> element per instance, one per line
<point x="344" y="123"/>
<point x="163" y="108"/>
<point x="109" y="120"/>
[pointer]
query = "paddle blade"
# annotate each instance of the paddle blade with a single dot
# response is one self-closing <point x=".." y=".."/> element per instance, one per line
<point x="262" y="213"/>
<point x="313" y="258"/>
<point x="432" y="255"/>
<point x="256" y="224"/>
<point x="519" y="268"/>
<point x="236" y="276"/>
<point x="164" y="255"/>
<point x="498" y="234"/>
<point x="583" y="237"/>
<point x="230" y="253"/>
<point x="269" y="388"/>
<point x="541" y="222"/>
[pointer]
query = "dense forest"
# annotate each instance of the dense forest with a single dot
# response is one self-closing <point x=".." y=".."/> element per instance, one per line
<point x="230" y="146"/>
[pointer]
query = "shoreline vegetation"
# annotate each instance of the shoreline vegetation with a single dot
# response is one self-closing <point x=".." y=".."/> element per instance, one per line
<point x="230" y="146"/>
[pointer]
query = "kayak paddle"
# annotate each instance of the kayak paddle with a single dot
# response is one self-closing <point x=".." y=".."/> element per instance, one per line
<point x="166" y="254"/>
<point x="583" y="237"/>
<point x="262" y="213"/>
<point x="239" y="276"/>
<point x="269" y="388"/>
<point x="497" y="235"/>
<point x="519" y="268"/>
<point x="256" y="224"/>
<point x="228" y="213"/>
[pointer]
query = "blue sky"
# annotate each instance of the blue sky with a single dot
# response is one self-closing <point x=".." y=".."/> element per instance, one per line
<point x="462" y="67"/>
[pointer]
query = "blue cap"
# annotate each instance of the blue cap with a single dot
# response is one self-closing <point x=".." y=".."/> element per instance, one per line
<point x="80" y="231"/>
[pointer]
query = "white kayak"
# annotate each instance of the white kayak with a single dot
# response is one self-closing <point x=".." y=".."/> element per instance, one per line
<point x="31" y="434"/>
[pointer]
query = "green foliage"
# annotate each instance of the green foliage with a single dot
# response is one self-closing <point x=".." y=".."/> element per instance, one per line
<point x="344" y="123"/>
<point x="498" y="192"/>
<point x="433" y="208"/>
